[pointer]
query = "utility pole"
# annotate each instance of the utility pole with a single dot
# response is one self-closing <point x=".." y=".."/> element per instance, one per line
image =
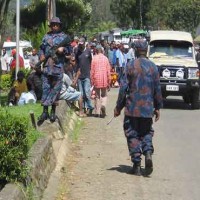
<point x="141" y="20"/>
<point x="17" y="36"/>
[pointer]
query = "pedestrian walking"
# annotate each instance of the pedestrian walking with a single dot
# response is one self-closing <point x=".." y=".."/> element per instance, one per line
<point x="100" y="79"/>
<point x="131" y="52"/>
<point x="120" y="61"/>
<point x="111" y="54"/>
<point x="52" y="75"/>
<point x="140" y="95"/>
<point x="83" y="59"/>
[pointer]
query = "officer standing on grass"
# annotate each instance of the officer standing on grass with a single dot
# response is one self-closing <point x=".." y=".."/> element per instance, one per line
<point x="140" y="94"/>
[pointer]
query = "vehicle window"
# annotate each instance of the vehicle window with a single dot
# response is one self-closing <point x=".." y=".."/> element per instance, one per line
<point x="117" y="37"/>
<point x="171" y="48"/>
<point x="9" y="49"/>
<point x="27" y="52"/>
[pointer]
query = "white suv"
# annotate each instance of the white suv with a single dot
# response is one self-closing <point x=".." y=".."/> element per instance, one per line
<point x="174" y="54"/>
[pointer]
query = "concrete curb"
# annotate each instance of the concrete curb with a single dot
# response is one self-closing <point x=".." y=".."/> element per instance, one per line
<point x="62" y="147"/>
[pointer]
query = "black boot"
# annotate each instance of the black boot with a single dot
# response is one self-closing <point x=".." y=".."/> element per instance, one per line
<point x="44" y="116"/>
<point x="137" y="169"/>
<point x="148" y="163"/>
<point x="89" y="112"/>
<point x="53" y="114"/>
<point x="103" y="112"/>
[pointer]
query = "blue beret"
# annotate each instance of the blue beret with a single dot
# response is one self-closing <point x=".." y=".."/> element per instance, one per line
<point x="141" y="44"/>
<point x="55" y="20"/>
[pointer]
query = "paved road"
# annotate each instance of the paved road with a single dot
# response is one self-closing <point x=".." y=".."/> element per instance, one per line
<point x="101" y="164"/>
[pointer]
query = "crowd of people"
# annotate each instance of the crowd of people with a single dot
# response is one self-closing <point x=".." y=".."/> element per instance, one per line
<point x="84" y="71"/>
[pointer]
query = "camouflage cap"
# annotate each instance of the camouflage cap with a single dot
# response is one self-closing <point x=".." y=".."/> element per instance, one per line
<point x="55" y="20"/>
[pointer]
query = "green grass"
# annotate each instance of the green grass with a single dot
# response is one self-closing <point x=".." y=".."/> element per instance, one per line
<point x="76" y="131"/>
<point x="25" y="109"/>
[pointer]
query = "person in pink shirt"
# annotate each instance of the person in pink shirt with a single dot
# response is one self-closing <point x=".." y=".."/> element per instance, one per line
<point x="100" y="79"/>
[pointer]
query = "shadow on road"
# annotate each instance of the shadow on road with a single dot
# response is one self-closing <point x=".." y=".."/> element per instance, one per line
<point x="123" y="169"/>
<point x="128" y="170"/>
<point x="175" y="104"/>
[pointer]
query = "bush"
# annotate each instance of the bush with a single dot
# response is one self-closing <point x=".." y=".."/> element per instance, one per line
<point x="5" y="81"/>
<point x="13" y="146"/>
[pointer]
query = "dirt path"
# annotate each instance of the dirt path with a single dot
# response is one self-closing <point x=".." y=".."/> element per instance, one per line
<point x="100" y="165"/>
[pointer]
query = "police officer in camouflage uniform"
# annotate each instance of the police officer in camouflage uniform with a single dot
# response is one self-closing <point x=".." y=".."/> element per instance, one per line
<point x="140" y="94"/>
<point x="53" y="70"/>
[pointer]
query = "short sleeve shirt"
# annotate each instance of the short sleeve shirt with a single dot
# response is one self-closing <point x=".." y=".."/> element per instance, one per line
<point x="84" y="62"/>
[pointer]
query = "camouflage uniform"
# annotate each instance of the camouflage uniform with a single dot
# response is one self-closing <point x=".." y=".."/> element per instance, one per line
<point x="53" y="71"/>
<point x="140" y="94"/>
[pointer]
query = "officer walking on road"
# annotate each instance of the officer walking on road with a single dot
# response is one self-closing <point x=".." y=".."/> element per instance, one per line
<point x="140" y="94"/>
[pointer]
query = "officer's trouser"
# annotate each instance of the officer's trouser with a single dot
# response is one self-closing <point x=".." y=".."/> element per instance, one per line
<point x="139" y="133"/>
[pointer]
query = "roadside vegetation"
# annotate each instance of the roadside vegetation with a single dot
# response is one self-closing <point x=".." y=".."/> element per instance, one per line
<point x="76" y="131"/>
<point x="17" y="136"/>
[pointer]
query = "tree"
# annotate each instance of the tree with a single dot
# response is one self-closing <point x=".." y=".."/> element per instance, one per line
<point x="177" y="15"/>
<point x="158" y="14"/>
<point x="121" y="9"/>
<point x="50" y="9"/>
<point x="138" y="14"/>
<point x="92" y="32"/>
<point x="36" y="38"/>
<point x="184" y="15"/>
<point x="100" y="12"/>
<point x="73" y="14"/>
<point x="130" y="13"/>
<point x="3" y="12"/>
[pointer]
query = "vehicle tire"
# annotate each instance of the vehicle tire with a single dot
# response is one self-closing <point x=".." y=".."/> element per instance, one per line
<point x="195" y="104"/>
<point x="164" y="95"/>
<point x="186" y="99"/>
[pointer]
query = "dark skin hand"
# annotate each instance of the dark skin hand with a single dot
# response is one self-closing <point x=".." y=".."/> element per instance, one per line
<point x="157" y="115"/>
<point x="116" y="112"/>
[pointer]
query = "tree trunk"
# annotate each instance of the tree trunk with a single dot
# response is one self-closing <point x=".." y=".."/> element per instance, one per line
<point x="50" y="9"/>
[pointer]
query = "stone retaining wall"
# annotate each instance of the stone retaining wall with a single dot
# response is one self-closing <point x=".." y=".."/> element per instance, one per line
<point x="42" y="157"/>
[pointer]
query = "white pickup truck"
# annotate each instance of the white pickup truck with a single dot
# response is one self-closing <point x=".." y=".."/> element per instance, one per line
<point x="174" y="54"/>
